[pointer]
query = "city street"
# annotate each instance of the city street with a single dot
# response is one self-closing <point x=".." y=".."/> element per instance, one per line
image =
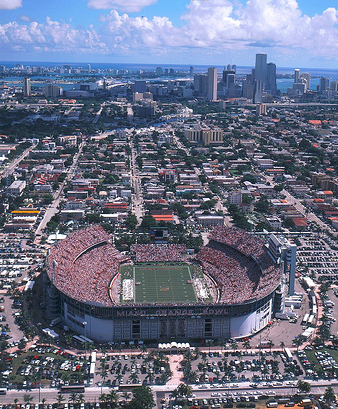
<point x="54" y="207"/>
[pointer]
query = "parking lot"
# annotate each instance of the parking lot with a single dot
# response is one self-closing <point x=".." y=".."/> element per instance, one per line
<point x="259" y="368"/>
<point x="316" y="257"/>
<point x="133" y="369"/>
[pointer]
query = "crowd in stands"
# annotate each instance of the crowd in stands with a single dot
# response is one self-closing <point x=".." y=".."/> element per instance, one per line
<point x="240" y="265"/>
<point x="246" y="243"/>
<point x="83" y="265"/>
<point x="156" y="253"/>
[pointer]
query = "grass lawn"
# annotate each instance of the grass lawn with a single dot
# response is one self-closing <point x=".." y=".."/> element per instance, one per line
<point x="160" y="283"/>
<point x="163" y="283"/>
<point x="314" y="361"/>
<point x="311" y="356"/>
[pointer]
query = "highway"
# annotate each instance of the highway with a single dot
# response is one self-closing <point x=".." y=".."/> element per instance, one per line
<point x="200" y="392"/>
<point x="9" y="169"/>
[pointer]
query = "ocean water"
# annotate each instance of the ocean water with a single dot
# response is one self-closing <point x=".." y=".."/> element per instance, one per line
<point x="282" y="83"/>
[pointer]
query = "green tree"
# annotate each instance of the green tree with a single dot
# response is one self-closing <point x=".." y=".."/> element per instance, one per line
<point x="73" y="397"/>
<point x="246" y="344"/>
<point x="278" y="188"/>
<point x="303" y="386"/>
<point x="298" y="342"/>
<point x="27" y="398"/>
<point x="103" y="397"/>
<point x="182" y="390"/>
<point x="113" y="396"/>
<point x="262" y="205"/>
<point x="142" y="398"/>
<point x="131" y="222"/>
<point x="80" y="398"/>
<point x="329" y="395"/>
<point x="288" y="223"/>
<point x="93" y="218"/>
<point x="147" y="222"/>
<point x="59" y="399"/>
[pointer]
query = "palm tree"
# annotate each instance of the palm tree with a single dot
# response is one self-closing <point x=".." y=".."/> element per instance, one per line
<point x="126" y="395"/>
<point x="104" y="376"/>
<point x="16" y="400"/>
<point x="133" y="377"/>
<point x="118" y="378"/>
<point x="73" y="397"/>
<point x="246" y="344"/>
<point x="80" y="398"/>
<point x="234" y="346"/>
<point x="329" y="395"/>
<point x="151" y="377"/>
<point x="298" y="342"/>
<point x="43" y="400"/>
<point x="113" y="396"/>
<point x="271" y="344"/>
<point x="103" y="398"/>
<point x="27" y="398"/>
<point x="210" y="342"/>
<point x="282" y="345"/>
<point x="59" y="399"/>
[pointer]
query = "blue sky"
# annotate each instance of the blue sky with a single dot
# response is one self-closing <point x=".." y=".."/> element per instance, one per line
<point x="301" y="33"/>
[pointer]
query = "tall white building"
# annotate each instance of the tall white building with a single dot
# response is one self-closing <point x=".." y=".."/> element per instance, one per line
<point x="261" y="68"/>
<point x="26" y="87"/>
<point x="297" y="75"/>
<point x="282" y="251"/>
<point x="307" y="77"/>
<point x="212" y="84"/>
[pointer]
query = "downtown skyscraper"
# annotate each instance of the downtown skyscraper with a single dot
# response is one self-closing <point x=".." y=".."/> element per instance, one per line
<point x="212" y="84"/>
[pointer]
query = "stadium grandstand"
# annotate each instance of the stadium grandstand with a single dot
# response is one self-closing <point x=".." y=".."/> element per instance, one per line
<point x="226" y="291"/>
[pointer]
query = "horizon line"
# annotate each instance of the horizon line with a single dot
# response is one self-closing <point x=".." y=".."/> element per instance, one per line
<point x="158" y="64"/>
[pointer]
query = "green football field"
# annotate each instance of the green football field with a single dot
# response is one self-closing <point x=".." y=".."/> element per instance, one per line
<point x="160" y="283"/>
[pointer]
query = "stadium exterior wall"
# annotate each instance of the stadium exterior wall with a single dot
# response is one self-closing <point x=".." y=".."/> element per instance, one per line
<point x="144" y="322"/>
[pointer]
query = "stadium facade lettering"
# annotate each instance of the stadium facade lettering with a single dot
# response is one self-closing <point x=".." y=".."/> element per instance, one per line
<point x="174" y="312"/>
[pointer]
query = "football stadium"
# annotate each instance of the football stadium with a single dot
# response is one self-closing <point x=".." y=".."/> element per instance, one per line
<point x="159" y="291"/>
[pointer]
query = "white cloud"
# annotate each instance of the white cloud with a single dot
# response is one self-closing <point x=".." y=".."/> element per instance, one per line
<point x="124" y="5"/>
<point x="212" y="27"/>
<point x="51" y="36"/>
<point x="10" y="4"/>
<point x="25" y="18"/>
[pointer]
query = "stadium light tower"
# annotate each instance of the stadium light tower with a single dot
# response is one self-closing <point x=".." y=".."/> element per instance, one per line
<point x="85" y="330"/>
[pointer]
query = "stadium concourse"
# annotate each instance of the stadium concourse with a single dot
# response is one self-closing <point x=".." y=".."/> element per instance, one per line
<point x="225" y="291"/>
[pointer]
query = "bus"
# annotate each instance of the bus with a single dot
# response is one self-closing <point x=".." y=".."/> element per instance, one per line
<point x="288" y="354"/>
<point x="305" y="319"/>
<point x="310" y="320"/>
<point x="305" y="402"/>
<point x="85" y="339"/>
<point x="72" y="389"/>
<point x="272" y="405"/>
<point x="78" y="339"/>
<point x="92" y="370"/>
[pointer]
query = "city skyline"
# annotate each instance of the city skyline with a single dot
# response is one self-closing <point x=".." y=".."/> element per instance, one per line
<point x="292" y="33"/>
